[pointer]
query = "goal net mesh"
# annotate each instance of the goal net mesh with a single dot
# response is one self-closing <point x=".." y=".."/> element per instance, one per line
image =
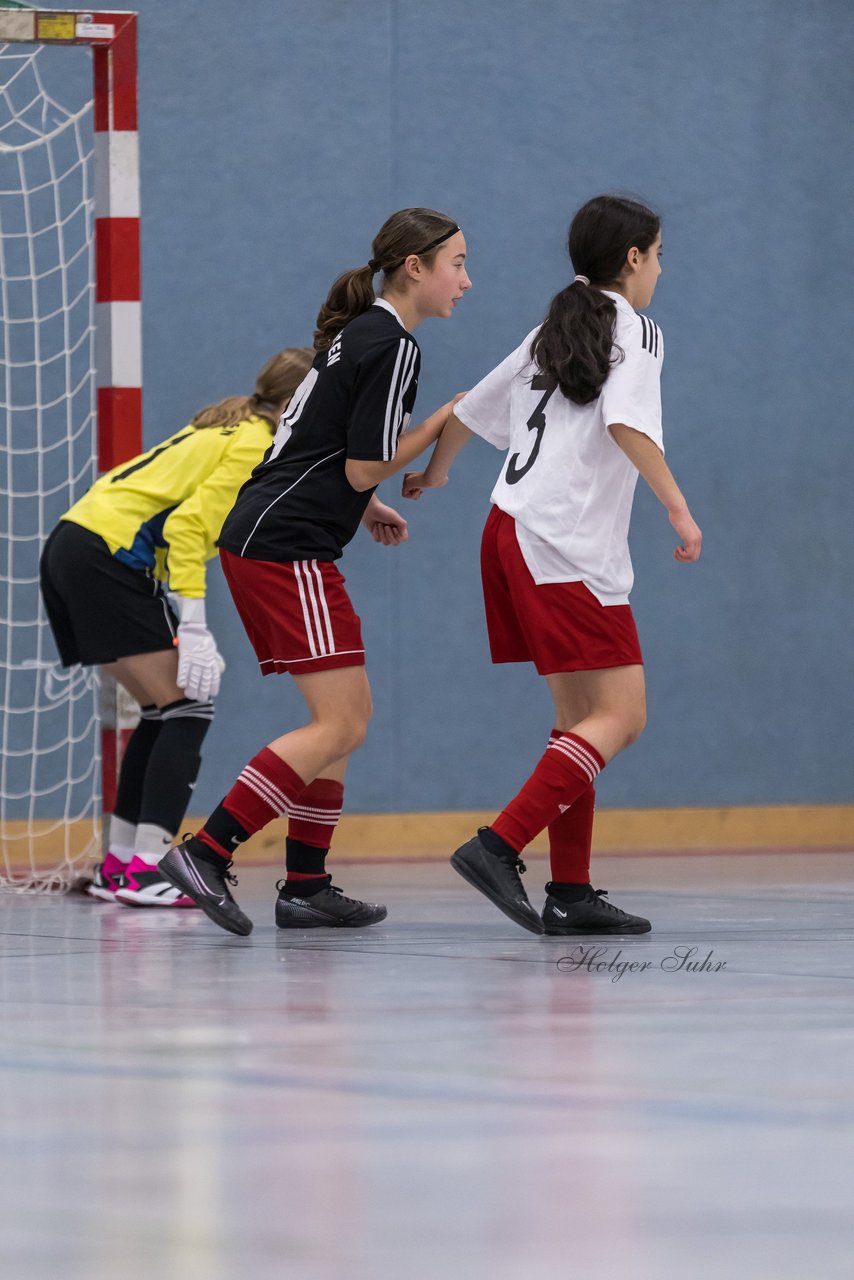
<point x="50" y="775"/>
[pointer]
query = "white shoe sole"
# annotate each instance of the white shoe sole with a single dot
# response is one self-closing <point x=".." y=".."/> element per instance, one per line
<point x="147" y="898"/>
<point x="102" y="895"/>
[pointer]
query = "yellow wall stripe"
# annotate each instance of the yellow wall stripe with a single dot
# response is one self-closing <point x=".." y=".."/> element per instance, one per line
<point x="433" y="836"/>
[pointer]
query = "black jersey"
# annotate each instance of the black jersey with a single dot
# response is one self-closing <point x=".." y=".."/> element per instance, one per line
<point x="353" y="403"/>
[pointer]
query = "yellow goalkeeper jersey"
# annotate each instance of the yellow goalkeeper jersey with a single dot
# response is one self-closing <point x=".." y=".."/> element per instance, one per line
<point x="163" y="510"/>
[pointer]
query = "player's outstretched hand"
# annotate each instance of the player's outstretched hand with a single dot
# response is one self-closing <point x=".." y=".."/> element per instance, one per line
<point x="384" y="524"/>
<point x="415" y="482"/>
<point x="689" y="531"/>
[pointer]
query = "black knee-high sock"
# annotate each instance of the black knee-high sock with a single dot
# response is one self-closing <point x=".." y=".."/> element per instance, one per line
<point x="174" y="763"/>
<point x="135" y="763"/>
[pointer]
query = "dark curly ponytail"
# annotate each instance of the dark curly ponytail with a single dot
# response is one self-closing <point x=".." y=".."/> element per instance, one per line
<point x="409" y="231"/>
<point x="574" y="345"/>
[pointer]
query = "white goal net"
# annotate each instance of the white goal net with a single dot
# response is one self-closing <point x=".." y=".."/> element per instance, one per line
<point x="50" y="774"/>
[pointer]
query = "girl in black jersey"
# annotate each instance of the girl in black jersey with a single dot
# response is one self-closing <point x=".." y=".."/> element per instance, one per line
<point x="340" y="437"/>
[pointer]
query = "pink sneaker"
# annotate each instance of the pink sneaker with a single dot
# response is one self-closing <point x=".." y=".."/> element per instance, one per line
<point x="145" y="886"/>
<point x="105" y="878"/>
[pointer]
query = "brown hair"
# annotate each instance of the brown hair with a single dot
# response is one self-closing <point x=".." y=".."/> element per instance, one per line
<point x="409" y="231"/>
<point x="276" y="381"/>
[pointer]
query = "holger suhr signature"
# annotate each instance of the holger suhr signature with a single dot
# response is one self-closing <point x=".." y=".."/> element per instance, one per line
<point x="598" y="959"/>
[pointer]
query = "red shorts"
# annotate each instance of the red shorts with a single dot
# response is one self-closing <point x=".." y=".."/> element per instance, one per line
<point x="559" y="626"/>
<point x="297" y="615"/>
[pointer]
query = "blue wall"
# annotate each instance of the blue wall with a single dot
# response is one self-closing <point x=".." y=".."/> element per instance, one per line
<point x="277" y="137"/>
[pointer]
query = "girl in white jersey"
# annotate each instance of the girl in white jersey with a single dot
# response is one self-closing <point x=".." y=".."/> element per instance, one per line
<point x="577" y="406"/>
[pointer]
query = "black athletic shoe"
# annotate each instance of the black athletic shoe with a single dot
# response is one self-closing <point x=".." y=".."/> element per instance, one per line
<point x="207" y="885"/>
<point x="498" y="878"/>
<point x="327" y="909"/>
<point x="591" y="915"/>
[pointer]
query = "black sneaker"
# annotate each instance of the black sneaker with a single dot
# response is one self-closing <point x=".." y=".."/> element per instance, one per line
<point x="498" y="878"/>
<point x="591" y="915"/>
<point x="206" y="885"/>
<point x="327" y="909"/>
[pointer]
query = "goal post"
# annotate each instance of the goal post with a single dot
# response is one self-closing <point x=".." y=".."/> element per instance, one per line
<point x="71" y="406"/>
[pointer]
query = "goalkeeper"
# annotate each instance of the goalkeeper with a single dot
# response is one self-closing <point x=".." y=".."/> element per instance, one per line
<point x="149" y="523"/>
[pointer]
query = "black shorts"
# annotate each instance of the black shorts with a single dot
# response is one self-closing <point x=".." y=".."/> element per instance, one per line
<point x="98" y="608"/>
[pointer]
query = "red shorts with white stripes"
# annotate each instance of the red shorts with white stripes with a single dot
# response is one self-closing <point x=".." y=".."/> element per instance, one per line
<point x="297" y="615"/>
<point x="559" y="626"/>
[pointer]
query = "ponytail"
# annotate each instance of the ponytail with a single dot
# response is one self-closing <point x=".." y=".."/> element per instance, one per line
<point x="408" y="232"/>
<point x="574" y="346"/>
<point x="225" y="413"/>
<point x="277" y="381"/>
<point x="351" y="294"/>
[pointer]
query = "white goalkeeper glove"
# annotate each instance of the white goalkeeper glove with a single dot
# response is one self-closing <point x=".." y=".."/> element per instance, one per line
<point x="199" y="661"/>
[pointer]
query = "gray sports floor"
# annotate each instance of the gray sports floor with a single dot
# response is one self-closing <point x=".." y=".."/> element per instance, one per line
<point x="436" y="1097"/>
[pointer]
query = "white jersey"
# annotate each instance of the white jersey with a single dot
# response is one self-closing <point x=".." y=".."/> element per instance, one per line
<point x="566" y="483"/>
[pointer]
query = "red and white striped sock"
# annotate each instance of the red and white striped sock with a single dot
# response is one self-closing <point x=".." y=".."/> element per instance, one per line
<point x="565" y="771"/>
<point x="313" y="819"/>
<point x="266" y="789"/>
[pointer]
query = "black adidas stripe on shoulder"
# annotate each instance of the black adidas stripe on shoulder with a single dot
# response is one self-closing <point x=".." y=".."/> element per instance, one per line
<point x="650" y="335"/>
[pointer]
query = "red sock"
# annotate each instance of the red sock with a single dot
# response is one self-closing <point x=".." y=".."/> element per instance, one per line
<point x="315" y="812"/>
<point x="566" y="770"/>
<point x="266" y="789"/>
<point x="313" y="819"/>
<point x="571" y="837"/>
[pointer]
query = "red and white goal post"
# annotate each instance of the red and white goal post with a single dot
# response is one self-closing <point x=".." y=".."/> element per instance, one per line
<point x="71" y="406"/>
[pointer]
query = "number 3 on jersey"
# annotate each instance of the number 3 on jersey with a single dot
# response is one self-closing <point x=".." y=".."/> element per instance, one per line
<point x="536" y="422"/>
